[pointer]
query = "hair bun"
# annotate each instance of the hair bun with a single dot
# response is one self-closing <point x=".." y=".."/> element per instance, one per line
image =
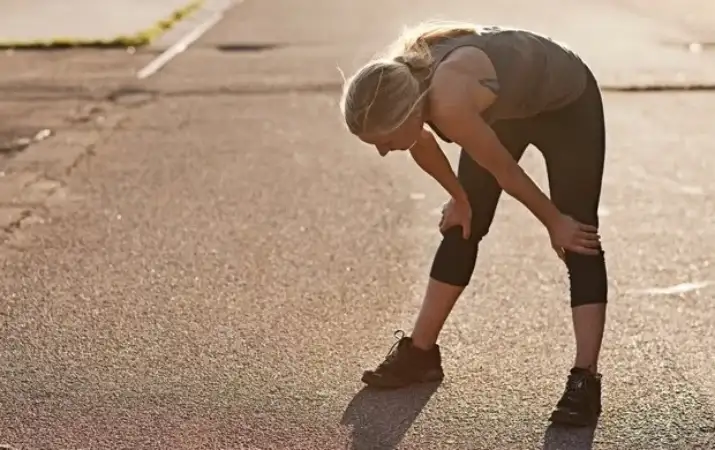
<point x="415" y="61"/>
<point x="402" y="59"/>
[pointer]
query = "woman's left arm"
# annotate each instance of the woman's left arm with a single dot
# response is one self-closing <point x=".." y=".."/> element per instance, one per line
<point x="465" y="126"/>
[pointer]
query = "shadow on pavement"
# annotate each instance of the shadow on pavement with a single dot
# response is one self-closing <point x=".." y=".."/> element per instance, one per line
<point x="565" y="438"/>
<point x="379" y="419"/>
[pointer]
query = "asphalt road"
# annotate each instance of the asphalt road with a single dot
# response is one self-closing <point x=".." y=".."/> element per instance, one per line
<point x="231" y="260"/>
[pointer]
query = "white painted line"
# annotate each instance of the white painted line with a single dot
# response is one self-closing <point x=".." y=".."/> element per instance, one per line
<point x="182" y="44"/>
<point x="672" y="185"/>
<point x="693" y="190"/>
<point x="677" y="289"/>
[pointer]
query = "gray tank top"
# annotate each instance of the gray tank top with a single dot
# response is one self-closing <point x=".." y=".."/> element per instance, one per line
<point x="534" y="73"/>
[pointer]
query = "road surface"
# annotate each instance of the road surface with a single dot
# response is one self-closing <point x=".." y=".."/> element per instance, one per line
<point x="224" y="260"/>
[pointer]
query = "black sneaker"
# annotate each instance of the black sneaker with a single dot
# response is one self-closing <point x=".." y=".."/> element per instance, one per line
<point x="406" y="364"/>
<point x="581" y="403"/>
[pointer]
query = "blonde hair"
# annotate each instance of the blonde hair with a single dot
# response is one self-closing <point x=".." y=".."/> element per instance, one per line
<point x="383" y="93"/>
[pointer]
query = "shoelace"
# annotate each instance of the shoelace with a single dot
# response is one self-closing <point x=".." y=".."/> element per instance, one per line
<point x="575" y="384"/>
<point x="392" y="353"/>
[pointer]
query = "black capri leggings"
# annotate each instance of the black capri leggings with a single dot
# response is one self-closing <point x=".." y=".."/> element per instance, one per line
<point x="572" y="140"/>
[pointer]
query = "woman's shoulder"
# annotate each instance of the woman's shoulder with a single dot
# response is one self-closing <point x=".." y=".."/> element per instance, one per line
<point x="465" y="59"/>
<point x="467" y="76"/>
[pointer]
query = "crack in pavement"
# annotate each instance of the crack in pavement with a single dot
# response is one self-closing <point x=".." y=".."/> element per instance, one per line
<point x="19" y="144"/>
<point x="12" y="226"/>
<point x="45" y="185"/>
<point x="689" y="87"/>
<point x="137" y="95"/>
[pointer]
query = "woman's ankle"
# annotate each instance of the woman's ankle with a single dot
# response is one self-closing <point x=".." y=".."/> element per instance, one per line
<point x="591" y="367"/>
<point x="424" y="343"/>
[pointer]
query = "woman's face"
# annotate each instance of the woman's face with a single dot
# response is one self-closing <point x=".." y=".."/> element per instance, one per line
<point x="403" y="138"/>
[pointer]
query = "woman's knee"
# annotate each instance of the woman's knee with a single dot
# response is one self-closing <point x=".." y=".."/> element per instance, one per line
<point x="455" y="258"/>
<point x="588" y="277"/>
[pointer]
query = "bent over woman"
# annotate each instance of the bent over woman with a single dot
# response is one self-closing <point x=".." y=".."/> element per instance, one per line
<point x="493" y="91"/>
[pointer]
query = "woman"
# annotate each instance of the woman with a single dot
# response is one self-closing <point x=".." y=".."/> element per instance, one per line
<point x="493" y="91"/>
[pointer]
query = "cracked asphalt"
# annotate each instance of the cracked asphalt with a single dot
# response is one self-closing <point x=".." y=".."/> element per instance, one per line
<point x="226" y="260"/>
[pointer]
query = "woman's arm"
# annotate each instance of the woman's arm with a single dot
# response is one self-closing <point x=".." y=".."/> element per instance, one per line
<point x="467" y="128"/>
<point x="430" y="158"/>
<point x="456" y="102"/>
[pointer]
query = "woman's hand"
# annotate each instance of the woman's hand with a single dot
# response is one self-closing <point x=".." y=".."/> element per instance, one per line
<point x="568" y="234"/>
<point x="457" y="213"/>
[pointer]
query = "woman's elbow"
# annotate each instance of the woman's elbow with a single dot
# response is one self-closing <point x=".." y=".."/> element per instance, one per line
<point x="509" y="176"/>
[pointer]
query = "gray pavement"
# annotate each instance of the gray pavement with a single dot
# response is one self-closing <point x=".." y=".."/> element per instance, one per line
<point x="48" y="23"/>
<point x="695" y="16"/>
<point x="227" y="261"/>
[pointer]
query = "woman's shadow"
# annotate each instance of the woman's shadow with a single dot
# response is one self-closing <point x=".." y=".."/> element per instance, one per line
<point x="379" y="419"/>
<point x="568" y="438"/>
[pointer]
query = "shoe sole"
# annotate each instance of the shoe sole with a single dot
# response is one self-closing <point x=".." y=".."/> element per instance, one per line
<point x="373" y="381"/>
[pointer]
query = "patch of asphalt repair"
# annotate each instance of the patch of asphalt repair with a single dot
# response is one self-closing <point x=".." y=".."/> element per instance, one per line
<point x="26" y="187"/>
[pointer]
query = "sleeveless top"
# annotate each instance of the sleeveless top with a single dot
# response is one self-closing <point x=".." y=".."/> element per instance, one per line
<point x="534" y="73"/>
